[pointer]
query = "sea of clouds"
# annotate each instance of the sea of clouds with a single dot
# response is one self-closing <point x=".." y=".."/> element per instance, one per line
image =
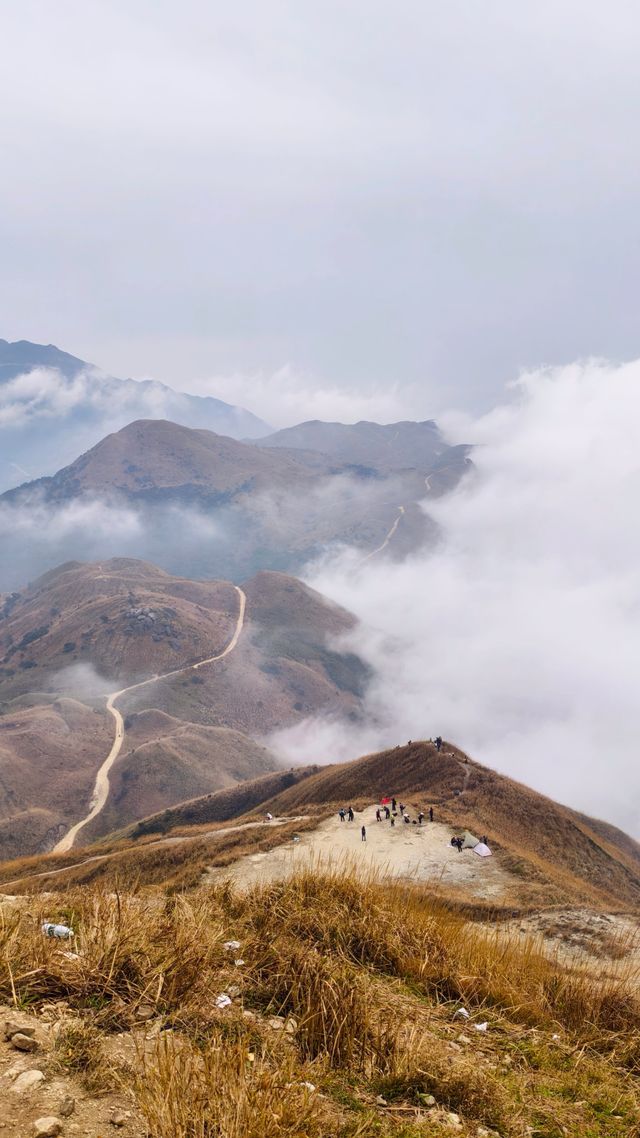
<point x="518" y="635"/>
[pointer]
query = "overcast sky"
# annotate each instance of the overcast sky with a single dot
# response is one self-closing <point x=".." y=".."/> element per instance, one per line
<point x="427" y="194"/>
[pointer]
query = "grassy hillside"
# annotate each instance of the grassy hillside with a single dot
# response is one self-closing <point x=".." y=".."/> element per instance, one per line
<point x="558" y="854"/>
<point x="340" y="1020"/>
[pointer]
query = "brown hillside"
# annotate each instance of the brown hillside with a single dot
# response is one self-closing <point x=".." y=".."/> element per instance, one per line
<point x="221" y="806"/>
<point x="48" y="758"/>
<point x="540" y="841"/>
<point x="281" y="671"/>
<point x="126" y="618"/>
<point x="152" y="456"/>
<point x="85" y="630"/>
<point x="547" y="840"/>
<point x="166" y="759"/>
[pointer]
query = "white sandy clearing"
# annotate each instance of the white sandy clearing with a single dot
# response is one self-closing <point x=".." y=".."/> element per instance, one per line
<point x="417" y="853"/>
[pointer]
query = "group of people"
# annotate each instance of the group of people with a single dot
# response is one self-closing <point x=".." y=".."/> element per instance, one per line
<point x="391" y="813"/>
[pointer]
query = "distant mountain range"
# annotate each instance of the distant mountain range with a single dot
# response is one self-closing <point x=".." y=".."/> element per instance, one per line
<point x="54" y="405"/>
<point x="204" y="505"/>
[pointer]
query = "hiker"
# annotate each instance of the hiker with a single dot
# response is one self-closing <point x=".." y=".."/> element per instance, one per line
<point x="407" y="819"/>
<point x="269" y="816"/>
<point x="342" y="813"/>
<point x="393" y="819"/>
<point x="431" y="813"/>
<point x="438" y="742"/>
<point x="378" y="816"/>
<point x="363" y="834"/>
<point x="393" y="805"/>
<point x="420" y="818"/>
<point x="387" y="812"/>
<point x="350" y="814"/>
<point x="459" y="844"/>
<point x="402" y="807"/>
<point x="484" y="841"/>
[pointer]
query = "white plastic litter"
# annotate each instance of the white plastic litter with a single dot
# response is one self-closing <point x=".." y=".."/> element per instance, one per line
<point x="308" y="1087"/>
<point x="231" y="945"/>
<point x="480" y="1026"/>
<point x="62" y="932"/>
<point x="223" y="1000"/>
<point x="70" y="955"/>
<point x="238" y="963"/>
<point x="462" y="1012"/>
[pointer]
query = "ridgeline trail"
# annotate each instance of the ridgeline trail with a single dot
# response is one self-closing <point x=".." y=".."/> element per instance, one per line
<point x="101" y="787"/>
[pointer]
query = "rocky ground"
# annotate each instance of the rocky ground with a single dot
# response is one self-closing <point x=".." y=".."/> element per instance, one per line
<point x="39" y="1097"/>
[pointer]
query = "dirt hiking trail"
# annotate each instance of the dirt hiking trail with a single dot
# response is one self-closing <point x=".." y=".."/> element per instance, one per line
<point x="101" y="787"/>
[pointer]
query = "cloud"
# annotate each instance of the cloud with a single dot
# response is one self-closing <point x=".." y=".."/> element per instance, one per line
<point x="519" y="635"/>
<point x="286" y="397"/>
<point x="44" y="393"/>
<point x="36" y="537"/>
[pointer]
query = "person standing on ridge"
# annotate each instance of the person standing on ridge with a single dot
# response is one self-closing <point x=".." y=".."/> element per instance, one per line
<point x="363" y="834"/>
<point x="342" y="812"/>
<point x="378" y="815"/>
<point x="350" y="814"/>
<point x="438" y="742"/>
<point x="431" y="813"/>
<point x="420" y="818"/>
<point x="393" y="805"/>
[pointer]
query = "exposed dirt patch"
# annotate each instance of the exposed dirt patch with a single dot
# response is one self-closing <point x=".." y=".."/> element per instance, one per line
<point x="417" y="853"/>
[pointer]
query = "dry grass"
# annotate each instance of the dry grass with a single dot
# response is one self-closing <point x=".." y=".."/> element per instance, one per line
<point x="367" y="975"/>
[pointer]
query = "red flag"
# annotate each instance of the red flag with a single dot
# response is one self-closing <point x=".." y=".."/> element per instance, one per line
<point x="383" y="801"/>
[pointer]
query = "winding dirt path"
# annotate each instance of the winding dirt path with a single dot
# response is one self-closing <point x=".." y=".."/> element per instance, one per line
<point x="388" y="538"/>
<point x="101" y="787"/>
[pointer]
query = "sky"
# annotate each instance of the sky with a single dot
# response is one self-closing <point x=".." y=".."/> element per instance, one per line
<point x="421" y="197"/>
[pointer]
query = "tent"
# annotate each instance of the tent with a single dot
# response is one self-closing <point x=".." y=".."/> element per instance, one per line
<point x="482" y="850"/>
<point x="470" y="842"/>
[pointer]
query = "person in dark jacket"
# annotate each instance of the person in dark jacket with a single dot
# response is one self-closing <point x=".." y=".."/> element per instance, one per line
<point x="363" y="834"/>
<point x="431" y="813"/>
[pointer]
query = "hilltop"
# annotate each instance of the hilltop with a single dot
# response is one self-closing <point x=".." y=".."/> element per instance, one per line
<point x="549" y="853"/>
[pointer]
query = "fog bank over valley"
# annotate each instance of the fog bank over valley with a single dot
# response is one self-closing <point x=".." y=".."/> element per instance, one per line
<point x="518" y="635"/>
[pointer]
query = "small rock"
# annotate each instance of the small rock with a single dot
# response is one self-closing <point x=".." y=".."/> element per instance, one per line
<point x="27" y="1081"/>
<point x="276" y="1023"/>
<point x="464" y="1039"/>
<point x="145" y="1012"/>
<point x="291" y="1026"/>
<point x="233" y="990"/>
<point x="427" y="1100"/>
<point x="482" y="1132"/>
<point x="453" y="1119"/>
<point x="12" y="1028"/>
<point x="67" y="1107"/>
<point x="47" y="1127"/>
<point x="23" y="1042"/>
<point x="381" y="1100"/>
<point x="118" y="1118"/>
